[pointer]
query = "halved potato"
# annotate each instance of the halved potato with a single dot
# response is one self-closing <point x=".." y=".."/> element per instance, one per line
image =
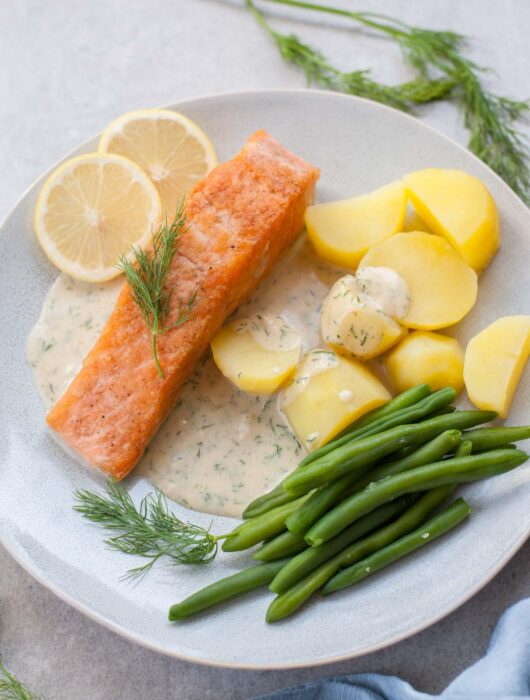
<point x="458" y="206"/>
<point x="327" y="393"/>
<point x="343" y="231"/>
<point x="443" y="288"/>
<point x="257" y="354"/>
<point x="426" y="358"/>
<point x="494" y="361"/>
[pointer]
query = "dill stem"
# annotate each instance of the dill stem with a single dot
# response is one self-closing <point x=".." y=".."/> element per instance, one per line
<point x="260" y="18"/>
<point x="154" y="336"/>
<point x="362" y="17"/>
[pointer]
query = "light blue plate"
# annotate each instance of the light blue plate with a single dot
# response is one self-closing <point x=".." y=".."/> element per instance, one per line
<point x="359" y="146"/>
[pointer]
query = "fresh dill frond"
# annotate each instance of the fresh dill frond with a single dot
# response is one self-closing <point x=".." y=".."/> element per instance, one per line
<point x="147" y="275"/>
<point x="11" y="688"/>
<point x="444" y="72"/>
<point x="319" y="71"/>
<point x="489" y="118"/>
<point x="150" y="530"/>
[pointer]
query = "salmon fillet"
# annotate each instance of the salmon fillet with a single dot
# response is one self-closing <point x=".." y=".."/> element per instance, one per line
<point x="240" y="218"/>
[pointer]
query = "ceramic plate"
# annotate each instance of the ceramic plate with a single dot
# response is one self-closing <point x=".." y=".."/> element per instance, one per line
<point x="359" y="146"/>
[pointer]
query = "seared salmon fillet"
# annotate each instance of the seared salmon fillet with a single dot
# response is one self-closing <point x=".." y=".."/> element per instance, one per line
<point x="240" y="218"/>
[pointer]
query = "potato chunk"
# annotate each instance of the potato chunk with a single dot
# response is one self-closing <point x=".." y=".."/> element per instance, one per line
<point x="494" y="361"/>
<point x="257" y="354"/>
<point x="458" y="206"/>
<point x="327" y="393"/>
<point x="426" y="358"/>
<point x="343" y="231"/>
<point x="357" y="317"/>
<point x="443" y="288"/>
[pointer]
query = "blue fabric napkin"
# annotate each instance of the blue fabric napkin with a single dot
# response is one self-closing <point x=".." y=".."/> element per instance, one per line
<point x="503" y="673"/>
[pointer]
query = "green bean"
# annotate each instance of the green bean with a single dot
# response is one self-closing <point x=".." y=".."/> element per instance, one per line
<point x="312" y="557"/>
<point x="226" y="589"/>
<point x="320" y="502"/>
<point x="456" y="470"/>
<point x="431" y="451"/>
<point x="292" y="599"/>
<point x="278" y="496"/>
<point x="332" y="493"/>
<point x="404" y="452"/>
<point x="263" y="527"/>
<point x="443" y="411"/>
<point x="464" y="449"/>
<point x="491" y="438"/>
<point x="428" y="532"/>
<point x="354" y="457"/>
<point x="509" y="446"/>
<point x="356" y="429"/>
<point x="283" y="545"/>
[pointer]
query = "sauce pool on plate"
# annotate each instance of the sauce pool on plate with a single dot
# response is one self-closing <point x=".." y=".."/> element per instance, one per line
<point x="220" y="448"/>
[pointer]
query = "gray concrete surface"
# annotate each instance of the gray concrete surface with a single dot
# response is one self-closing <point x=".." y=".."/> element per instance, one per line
<point x="66" y="69"/>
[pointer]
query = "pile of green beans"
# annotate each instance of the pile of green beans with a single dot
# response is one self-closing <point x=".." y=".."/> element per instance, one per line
<point x="363" y="501"/>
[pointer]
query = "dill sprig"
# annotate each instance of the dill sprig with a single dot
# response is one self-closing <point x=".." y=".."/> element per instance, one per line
<point x="444" y="72"/>
<point x="147" y="274"/>
<point x="11" y="688"/>
<point x="489" y="118"/>
<point x="150" y="530"/>
<point x="319" y="71"/>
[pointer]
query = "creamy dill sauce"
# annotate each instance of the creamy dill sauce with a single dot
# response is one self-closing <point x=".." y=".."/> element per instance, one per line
<point x="269" y="332"/>
<point x="387" y="289"/>
<point x="220" y="447"/>
<point x="72" y="317"/>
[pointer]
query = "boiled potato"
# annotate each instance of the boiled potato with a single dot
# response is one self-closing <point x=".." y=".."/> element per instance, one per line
<point x="443" y="288"/>
<point x="494" y="361"/>
<point x="343" y="231"/>
<point x="426" y="358"/>
<point x="258" y="353"/>
<point x="458" y="206"/>
<point x="355" y="322"/>
<point x="326" y="394"/>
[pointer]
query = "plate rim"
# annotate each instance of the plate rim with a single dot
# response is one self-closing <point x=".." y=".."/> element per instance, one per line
<point x="33" y="570"/>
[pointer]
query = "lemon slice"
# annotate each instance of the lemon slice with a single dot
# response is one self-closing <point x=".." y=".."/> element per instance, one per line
<point x="92" y="210"/>
<point x="172" y="150"/>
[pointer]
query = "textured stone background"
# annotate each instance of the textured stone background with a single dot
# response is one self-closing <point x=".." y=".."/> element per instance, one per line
<point x="66" y="69"/>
